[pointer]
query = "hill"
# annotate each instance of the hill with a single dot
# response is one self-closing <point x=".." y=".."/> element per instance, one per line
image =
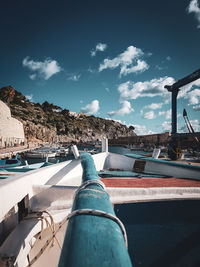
<point x="50" y="123"/>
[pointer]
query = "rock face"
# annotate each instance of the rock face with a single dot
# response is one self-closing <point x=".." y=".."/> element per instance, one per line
<point x="50" y="123"/>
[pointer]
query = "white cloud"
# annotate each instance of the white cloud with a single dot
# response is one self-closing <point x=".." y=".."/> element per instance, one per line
<point x="195" y="124"/>
<point x="184" y="91"/>
<point x="29" y="97"/>
<point x="149" y="115"/>
<point x="168" y="58"/>
<point x="140" y="67"/>
<point x="44" y="69"/>
<point x="91" y="70"/>
<point x="74" y="77"/>
<point x="91" y="108"/>
<point x="32" y="76"/>
<point x="194" y="97"/>
<point x="124" y="110"/>
<point x="125" y="61"/>
<point x="107" y="89"/>
<point x="119" y="121"/>
<point x="194" y="8"/>
<point x="167" y="114"/>
<point x="142" y="130"/>
<point x="99" y="47"/>
<point x="166" y="126"/>
<point x="154" y="106"/>
<point x="196" y="108"/>
<point x="152" y="88"/>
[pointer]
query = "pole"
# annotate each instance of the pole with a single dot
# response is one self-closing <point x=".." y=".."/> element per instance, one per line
<point x="174" y="111"/>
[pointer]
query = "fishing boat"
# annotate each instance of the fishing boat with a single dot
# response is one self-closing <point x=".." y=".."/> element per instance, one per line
<point x="9" y="163"/>
<point x="7" y="172"/>
<point x="41" y="154"/>
<point x="62" y="214"/>
<point x="62" y="152"/>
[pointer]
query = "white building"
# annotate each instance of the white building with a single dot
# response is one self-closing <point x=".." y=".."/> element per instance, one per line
<point x="11" y="130"/>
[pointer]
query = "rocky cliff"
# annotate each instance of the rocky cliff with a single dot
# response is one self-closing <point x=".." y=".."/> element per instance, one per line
<point x="50" y="123"/>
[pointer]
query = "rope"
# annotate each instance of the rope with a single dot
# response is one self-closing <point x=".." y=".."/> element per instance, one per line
<point x="100" y="214"/>
<point x="86" y="183"/>
<point x="176" y="152"/>
<point x="51" y="239"/>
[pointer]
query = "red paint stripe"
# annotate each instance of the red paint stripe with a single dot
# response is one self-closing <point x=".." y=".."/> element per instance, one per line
<point x="149" y="182"/>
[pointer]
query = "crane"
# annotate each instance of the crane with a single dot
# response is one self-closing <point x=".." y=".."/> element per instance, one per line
<point x="174" y="89"/>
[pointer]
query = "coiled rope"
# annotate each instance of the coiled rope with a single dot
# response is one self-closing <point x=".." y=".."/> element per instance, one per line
<point x="51" y="226"/>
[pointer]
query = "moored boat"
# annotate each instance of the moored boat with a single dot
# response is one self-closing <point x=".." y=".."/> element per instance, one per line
<point x="159" y="211"/>
<point x="41" y="154"/>
<point x="9" y="163"/>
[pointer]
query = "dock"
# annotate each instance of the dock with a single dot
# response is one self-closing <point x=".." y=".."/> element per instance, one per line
<point x="8" y="152"/>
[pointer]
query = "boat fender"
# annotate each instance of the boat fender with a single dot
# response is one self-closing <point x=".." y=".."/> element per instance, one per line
<point x="156" y="153"/>
<point x="75" y="152"/>
<point x="104" y="147"/>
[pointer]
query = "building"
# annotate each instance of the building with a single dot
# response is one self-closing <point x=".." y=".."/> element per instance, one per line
<point x="11" y="130"/>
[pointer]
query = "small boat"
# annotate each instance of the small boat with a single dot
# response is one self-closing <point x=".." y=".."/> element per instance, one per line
<point x="41" y="154"/>
<point x="62" y="152"/>
<point x="7" y="172"/>
<point x="9" y="163"/>
<point x="61" y="217"/>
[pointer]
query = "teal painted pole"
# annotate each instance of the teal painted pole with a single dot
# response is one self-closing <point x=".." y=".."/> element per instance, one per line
<point x="92" y="240"/>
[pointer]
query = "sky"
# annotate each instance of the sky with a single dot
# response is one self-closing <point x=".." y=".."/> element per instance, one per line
<point x="109" y="59"/>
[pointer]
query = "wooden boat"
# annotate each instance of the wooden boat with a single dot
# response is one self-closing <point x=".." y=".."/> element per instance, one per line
<point x="41" y="154"/>
<point x="9" y="163"/>
<point x="7" y="172"/>
<point x="159" y="211"/>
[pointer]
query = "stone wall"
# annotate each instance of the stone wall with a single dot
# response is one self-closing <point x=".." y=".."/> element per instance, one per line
<point x="146" y="140"/>
<point x="11" y="130"/>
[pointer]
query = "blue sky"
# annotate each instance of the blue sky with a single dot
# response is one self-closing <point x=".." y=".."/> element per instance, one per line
<point x="106" y="58"/>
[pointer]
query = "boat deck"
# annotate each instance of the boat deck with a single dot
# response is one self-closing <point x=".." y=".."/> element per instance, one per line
<point x="148" y="182"/>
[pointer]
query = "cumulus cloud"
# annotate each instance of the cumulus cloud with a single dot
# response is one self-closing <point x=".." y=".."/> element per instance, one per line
<point x="152" y="88"/>
<point x="91" y="108"/>
<point x="166" y="126"/>
<point x="99" y="47"/>
<point x="167" y="114"/>
<point x="41" y="69"/>
<point x="195" y="124"/>
<point x="29" y="97"/>
<point x="194" y="8"/>
<point x="196" y="108"/>
<point x="74" y="77"/>
<point x="162" y="64"/>
<point x="119" y="121"/>
<point x="193" y="97"/>
<point x="32" y="76"/>
<point x="124" y="110"/>
<point x="154" y="106"/>
<point x="142" y="130"/>
<point x="128" y="62"/>
<point x="149" y="115"/>
<point x="184" y="91"/>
